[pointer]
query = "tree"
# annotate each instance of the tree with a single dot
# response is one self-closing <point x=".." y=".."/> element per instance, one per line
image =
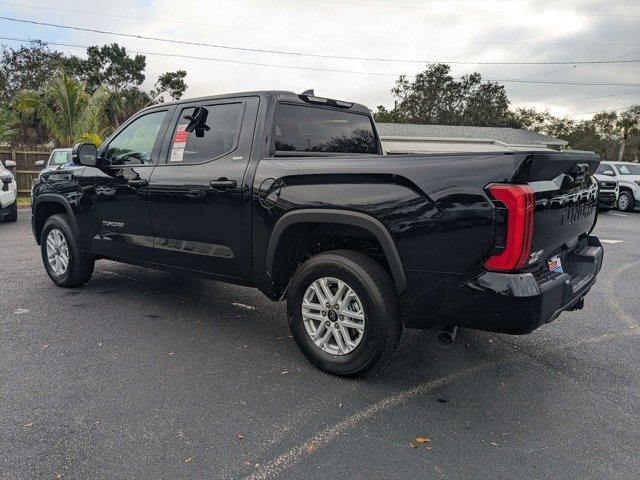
<point x="171" y="83"/>
<point x="607" y="133"/>
<point x="28" y="67"/>
<point x="436" y="97"/>
<point x="126" y="103"/>
<point x="108" y="66"/>
<point x="65" y="108"/>
<point x="8" y="124"/>
<point x="626" y="124"/>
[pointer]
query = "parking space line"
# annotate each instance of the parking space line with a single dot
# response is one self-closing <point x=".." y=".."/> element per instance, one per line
<point x="604" y="240"/>
<point x="613" y="300"/>
<point x="275" y="467"/>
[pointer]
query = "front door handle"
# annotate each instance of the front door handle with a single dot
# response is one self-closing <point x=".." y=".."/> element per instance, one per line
<point x="223" y="184"/>
<point x="137" y="182"/>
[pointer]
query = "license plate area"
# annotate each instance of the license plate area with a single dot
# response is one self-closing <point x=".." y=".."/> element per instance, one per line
<point x="554" y="264"/>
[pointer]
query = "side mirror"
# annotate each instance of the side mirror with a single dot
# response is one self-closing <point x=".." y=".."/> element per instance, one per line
<point x="609" y="173"/>
<point x="85" y="154"/>
<point x="10" y="164"/>
<point x="40" y="164"/>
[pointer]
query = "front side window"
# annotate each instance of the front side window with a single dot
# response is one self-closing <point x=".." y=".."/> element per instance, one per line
<point x="60" y="157"/>
<point x="628" y="169"/>
<point x="308" y="129"/>
<point x="134" y="144"/>
<point x="215" y="135"/>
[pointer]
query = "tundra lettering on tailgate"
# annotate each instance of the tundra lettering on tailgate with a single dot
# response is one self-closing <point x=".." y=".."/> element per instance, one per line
<point x="574" y="213"/>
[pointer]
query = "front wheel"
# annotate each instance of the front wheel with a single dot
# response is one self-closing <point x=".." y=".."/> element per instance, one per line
<point x="626" y="202"/>
<point x="343" y="312"/>
<point x="61" y="255"/>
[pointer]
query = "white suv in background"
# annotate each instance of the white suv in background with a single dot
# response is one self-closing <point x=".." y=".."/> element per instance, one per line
<point x="627" y="175"/>
<point x="8" y="193"/>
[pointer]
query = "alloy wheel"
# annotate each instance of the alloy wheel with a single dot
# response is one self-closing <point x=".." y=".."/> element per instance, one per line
<point x="333" y="316"/>
<point x="623" y="202"/>
<point x="57" y="252"/>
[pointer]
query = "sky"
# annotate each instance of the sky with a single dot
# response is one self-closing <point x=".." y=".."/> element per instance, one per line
<point x="408" y="32"/>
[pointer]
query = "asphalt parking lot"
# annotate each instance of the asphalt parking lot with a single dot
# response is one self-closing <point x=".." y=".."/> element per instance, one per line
<point x="144" y="375"/>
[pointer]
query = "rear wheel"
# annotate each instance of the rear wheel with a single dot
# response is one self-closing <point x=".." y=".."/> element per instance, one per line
<point x="626" y="202"/>
<point x="343" y="312"/>
<point x="61" y="255"/>
<point x="12" y="216"/>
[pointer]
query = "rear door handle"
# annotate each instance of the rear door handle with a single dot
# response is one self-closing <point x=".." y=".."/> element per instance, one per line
<point x="223" y="184"/>
<point x="138" y="183"/>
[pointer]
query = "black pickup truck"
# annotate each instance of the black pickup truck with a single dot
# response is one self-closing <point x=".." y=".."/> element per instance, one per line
<point x="293" y="195"/>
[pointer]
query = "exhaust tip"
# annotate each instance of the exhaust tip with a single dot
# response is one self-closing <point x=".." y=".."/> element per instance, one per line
<point x="446" y="337"/>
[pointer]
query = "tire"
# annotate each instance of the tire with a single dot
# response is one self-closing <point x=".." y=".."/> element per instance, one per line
<point x="375" y="300"/>
<point x="628" y="202"/>
<point x="12" y="216"/>
<point x="79" y="266"/>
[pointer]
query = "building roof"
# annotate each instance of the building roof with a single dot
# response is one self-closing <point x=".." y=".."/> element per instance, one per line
<point x="501" y="135"/>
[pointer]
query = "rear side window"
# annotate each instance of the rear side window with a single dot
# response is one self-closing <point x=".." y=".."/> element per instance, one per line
<point x="202" y="145"/>
<point x="308" y="129"/>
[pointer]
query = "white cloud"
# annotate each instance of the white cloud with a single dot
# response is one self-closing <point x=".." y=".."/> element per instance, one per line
<point x="440" y="30"/>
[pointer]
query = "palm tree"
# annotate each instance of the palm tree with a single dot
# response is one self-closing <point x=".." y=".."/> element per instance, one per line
<point x="67" y="111"/>
<point x="8" y="123"/>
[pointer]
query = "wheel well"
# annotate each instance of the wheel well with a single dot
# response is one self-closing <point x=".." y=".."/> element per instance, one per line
<point x="627" y="189"/>
<point x="43" y="212"/>
<point x="304" y="240"/>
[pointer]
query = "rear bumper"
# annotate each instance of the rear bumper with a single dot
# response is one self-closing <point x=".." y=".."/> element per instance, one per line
<point x="520" y="303"/>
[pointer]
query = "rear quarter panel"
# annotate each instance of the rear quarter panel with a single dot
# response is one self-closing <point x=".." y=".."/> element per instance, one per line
<point x="434" y="206"/>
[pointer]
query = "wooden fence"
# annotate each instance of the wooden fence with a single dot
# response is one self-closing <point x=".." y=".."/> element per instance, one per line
<point x="26" y="169"/>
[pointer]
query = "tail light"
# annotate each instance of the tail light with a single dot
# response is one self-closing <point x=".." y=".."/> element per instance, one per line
<point x="519" y="201"/>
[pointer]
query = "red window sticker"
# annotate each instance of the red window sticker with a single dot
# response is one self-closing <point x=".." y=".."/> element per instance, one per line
<point x="181" y="137"/>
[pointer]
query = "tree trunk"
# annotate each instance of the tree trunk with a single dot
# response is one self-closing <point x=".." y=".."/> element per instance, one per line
<point x="623" y="143"/>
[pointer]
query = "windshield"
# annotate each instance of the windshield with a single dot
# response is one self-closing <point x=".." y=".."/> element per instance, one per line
<point x="60" y="157"/>
<point x="626" y="169"/>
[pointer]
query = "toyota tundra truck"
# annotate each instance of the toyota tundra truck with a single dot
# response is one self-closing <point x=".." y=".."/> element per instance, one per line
<point x="292" y="194"/>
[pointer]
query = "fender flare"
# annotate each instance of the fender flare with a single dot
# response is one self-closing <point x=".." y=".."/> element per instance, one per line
<point x="55" y="198"/>
<point x="344" y="217"/>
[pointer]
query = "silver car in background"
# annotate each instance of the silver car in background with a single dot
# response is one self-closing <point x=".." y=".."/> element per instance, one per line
<point x="57" y="158"/>
<point x="627" y="174"/>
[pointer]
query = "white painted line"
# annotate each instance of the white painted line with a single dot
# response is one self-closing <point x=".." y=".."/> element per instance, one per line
<point x="242" y="305"/>
<point x="298" y="453"/>
<point x="604" y="240"/>
<point x="617" y="214"/>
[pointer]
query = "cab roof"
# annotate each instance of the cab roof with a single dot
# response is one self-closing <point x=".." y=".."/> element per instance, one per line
<point x="280" y="96"/>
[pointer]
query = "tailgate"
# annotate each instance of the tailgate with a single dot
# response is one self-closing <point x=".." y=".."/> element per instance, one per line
<point x="566" y="201"/>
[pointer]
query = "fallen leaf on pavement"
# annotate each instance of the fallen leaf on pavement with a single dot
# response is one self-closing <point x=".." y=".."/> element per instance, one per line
<point x="412" y="445"/>
<point x="240" y="436"/>
<point x="187" y="460"/>
<point x="28" y="424"/>
<point x="311" y="448"/>
<point x="423" y="440"/>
